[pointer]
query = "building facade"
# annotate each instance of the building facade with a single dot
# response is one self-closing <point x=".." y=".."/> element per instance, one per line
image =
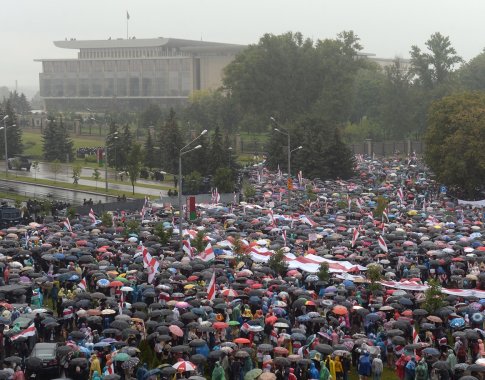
<point x="130" y="74"/>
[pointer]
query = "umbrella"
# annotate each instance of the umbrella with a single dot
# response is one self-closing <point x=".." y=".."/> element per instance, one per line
<point x="253" y="374"/>
<point x="340" y="310"/>
<point x="431" y="351"/>
<point x="434" y="318"/>
<point x="184" y="366"/>
<point x="121" y="357"/>
<point x="324" y="349"/>
<point x="175" y="330"/>
<point x="441" y="365"/>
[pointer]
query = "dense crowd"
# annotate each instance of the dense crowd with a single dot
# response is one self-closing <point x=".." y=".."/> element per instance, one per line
<point x="380" y="276"/>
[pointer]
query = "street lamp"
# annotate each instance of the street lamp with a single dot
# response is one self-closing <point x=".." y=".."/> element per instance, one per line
<point x="183" y="151"/>
<point x="230" y="154"/>
<point x="287" y="134"/>
<point x="106" y="159"/>
<point x="5" y="140"/>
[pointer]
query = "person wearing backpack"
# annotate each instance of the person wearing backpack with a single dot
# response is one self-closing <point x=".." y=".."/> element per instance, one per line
<point x="421" y="372"/>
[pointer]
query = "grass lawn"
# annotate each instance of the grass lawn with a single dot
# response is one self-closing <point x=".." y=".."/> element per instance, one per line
<point x="387" y="374"/>
<point x="32" y="141"/>
<point x="148" y="186"/>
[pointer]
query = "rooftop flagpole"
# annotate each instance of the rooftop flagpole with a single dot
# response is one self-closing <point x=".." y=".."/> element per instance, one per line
<point x="127" y="20"/>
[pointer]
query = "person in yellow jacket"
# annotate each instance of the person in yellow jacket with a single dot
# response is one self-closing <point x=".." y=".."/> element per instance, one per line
<point x="331" y="367"/>
<point x="95" y="365"/>
<point x="339" y="369"/>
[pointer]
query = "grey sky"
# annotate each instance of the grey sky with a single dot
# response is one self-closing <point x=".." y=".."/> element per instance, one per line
<point x="386" y="27"/>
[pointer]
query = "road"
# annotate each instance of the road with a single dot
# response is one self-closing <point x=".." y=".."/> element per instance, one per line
<point x="65" y="175"/>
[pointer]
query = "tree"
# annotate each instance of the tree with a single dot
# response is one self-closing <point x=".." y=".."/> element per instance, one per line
<point x="193" y="183"/>
<point x="435" y="66"/>
<point x="150" y="116"/>
<point x="14" y="132"/>
<point x="199" y="242"/>
<point x="223" y="180"/>
<point x="56" y="142"/>
<point x="433" y="298"/>
<point x="217" y="152"/>
<point x="171" y="142"/>
<point x="277" y="262"/>
<point x="248" y="190"/>
<point x="106" y="219"/>
<point x="374" y="275"/>
<point x="124" y="144"/>
<point x="134" y="164"/>
<point x="163" y="234"/>
<point x="55" y="168"/>
<point x="76" y="172"/>
<point x="472" y="74"/>
<point x="455" y="148"/>
<point x="96" y="175"/>
<point x="35" y="167"/>
<point x="323" y="272"/>
<point x="339" y="158"/>
<point x="151" y="155"/>
<point x="112" y="144"/>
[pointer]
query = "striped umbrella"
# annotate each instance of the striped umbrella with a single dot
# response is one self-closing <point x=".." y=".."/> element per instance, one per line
<point x="184" y="366"/>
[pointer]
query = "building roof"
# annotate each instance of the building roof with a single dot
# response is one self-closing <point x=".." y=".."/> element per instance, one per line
<point x="143" y="43"/>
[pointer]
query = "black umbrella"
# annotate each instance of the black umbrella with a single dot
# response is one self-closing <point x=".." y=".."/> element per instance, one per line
<point x="324" y="349"/>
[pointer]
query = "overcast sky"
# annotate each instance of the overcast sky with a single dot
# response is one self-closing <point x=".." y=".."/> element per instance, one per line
<point x="387" y="28"/>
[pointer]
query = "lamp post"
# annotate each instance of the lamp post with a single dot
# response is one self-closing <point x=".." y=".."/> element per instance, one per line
<point x="288" y="150"/>
<point x="5" y="141"/>
<point x="106" y="159"/>
<point x="230" y="154"/>
<point x="183" y="151"/>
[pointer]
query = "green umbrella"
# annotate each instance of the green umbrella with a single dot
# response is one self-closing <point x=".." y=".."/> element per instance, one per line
<point x="233" y="323"/>
<point x="253" y="374"/>
<point x="121" y="357"/>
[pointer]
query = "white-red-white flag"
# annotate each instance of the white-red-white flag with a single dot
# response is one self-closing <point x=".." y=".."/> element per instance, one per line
<point x="92" y="216"/>
<point x="187" y="248"/>
<point x="67" y="224"/>
<point x="150" y="263"/>
<point x="82" y="284"/>
<point x="400" y="194"/>
<point x="211" y="289"/>
<point x="382" y="243"/>
<point x="300" y="178"/>
<point x="29" y="331"/>
<point x="207" y="254"/>
<point x="355" y="236"/>
<point x="284" y="236"/>
<point x="416" y="338"/>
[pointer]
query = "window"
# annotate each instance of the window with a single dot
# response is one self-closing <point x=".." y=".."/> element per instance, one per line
<point x="121" y="87"/>
<point x="134" y="86"/>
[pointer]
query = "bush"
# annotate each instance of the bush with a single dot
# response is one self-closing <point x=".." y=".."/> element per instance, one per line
<point x="91" y="159"/>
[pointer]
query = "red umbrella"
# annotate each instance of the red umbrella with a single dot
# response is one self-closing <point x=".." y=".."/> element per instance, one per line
<point x="184" y="366"/>
<point x="115" y="284"/>
<point x="242" y="341"/>
<point x="271" y="319"/>
<point x="220" y="325"/>
<point x="175" y="330"/>
<point x="229" y="293"/>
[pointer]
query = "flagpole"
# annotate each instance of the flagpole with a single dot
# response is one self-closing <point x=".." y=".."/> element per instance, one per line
<point x="127" y="21"/>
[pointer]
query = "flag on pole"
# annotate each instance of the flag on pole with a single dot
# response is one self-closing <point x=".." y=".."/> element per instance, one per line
<point x="82" y="285"/>
<point x="349" y="202"/>
<point x="300" y="178"/>
<point x="400" y="194"/>
<point x="127" y="15"/>
<point x="279" y="172"/>
<point x="29" y="331"/>
<point x="211" y="289"/>
<point x="355" y="236"/>
<point x="284" y="236"/>
<point x="150" y="263"/>
<point x="207" y="254"/>
<point x="385" y="215"/>
<point x="92" y="216"/>
<point x="187" y="248"/>
<point x="382" y="243"/>
<point x="416" y="338"/>
<point x="307" y="220"/>
<point x="67" y="224"/>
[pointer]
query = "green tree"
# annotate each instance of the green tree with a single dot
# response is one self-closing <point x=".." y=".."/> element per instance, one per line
<point x="277" y="263"/>
<point x="14" y="132"/>
<point x="193" y="183"/>
<point x="436" y="65"/>
<point x="55" y="167"/>
<point x="455" y="147"/>
<point x="248" y="190"/>
<point x="57" y="144"/>
<point x="163" y="234"/>
<point x="76" y="172"/>
<point x="134" y="164"/>
<point x="217" y="152"/>
<point x="339" y="158"/>
<point x="151" y="155"/>
<point x="171" y="142"/>
<point x="374" y="275"/>
<point x="433" y="298"/>
<point x="323" y="272"/>
<point x="124" y="146"/>
<point x="199" y="242"/>
<point x="472" y="74"/>
<point x="35" y="167"/>
<point x="132" y="227"/>
<point x="106" y="219"/>
<point x="223" y="180"/>
<point x="151" y="116"/>
<point x="96" y="175"/>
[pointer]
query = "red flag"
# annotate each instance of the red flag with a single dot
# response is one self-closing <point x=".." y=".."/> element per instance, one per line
<point x="211" y="289"/>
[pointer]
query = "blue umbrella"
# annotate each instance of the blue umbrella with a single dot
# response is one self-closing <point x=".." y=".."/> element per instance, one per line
<point x="103" y="283"/>
<point x="74" y="277"/>
<point x="101" y="344"/>
<point x="477" y="317"/>
<point x="457" y="322"/>
<point x="59" y="256"/>
<point x="348" y="283"/>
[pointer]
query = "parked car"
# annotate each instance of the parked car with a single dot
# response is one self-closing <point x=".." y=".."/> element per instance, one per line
<point x="44" y="357"/>
<point x="18" y="163"/>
